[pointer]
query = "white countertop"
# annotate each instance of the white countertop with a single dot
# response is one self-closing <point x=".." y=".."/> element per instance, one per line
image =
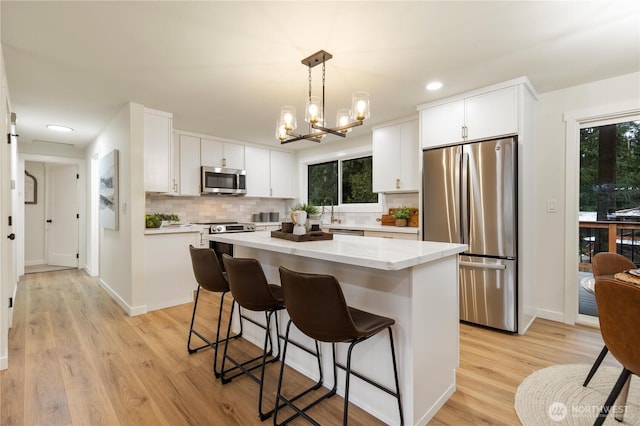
<point x="171" y="229"/>
<point x="377" y="228"/>
<point x="369" y="252"/>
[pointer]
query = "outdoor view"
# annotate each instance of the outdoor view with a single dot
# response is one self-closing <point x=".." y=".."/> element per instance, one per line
<point x="609" y="196"/>
<point x="352" y="177"/>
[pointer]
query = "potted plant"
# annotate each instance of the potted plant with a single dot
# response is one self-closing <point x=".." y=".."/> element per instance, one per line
<point x="402" y="215"/>
<point x="311" y="210"/>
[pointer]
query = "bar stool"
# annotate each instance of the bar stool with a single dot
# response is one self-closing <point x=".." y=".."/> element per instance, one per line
<point x="606" y="264"/>
<point x="317" y="307"/>
<point x="209" y="277"/>
<point x="251" y="291"/>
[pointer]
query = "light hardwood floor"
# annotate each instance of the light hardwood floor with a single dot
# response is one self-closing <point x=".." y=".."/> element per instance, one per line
<point x="76" y="358"/>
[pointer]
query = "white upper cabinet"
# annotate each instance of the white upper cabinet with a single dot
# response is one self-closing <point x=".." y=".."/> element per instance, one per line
<point x="395" y="157"/>
<point x="189" y="172"/>
<point x="442" y="124"/>
<point x="477" y="117"/>
<point x="269" y="173"/>
<point x="281" y="173"/>
<point x="157" y="129"/>
<point x="492" y="114"/>
<point x="215" y="153"/>
<point x="258" y="171"/>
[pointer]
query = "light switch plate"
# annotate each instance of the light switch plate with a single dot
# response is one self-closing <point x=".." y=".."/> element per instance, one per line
<point x="552" y="206"/>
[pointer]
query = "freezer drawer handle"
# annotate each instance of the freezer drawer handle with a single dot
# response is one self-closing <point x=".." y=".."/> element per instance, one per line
<point x="483" y="265"/>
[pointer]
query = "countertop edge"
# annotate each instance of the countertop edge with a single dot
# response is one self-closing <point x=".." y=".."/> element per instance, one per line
<point x="298" y="249"/>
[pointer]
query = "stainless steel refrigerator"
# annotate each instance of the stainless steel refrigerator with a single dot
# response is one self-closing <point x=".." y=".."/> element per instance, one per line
<point x="470" y="196"/>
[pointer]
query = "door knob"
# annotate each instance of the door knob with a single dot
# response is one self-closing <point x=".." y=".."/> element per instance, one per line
<point x="11" y="237"/>
<point x="49" y="221"/>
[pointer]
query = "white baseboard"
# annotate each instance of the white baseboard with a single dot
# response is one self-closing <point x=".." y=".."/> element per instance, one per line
<point x="35" y="262"/>
<point x="4" y="363"/>
<point x="130" y="310"/>
<point x="550" y="315"/>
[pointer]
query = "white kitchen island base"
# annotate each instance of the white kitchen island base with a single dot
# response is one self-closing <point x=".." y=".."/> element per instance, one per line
<point x="421" y="295"/>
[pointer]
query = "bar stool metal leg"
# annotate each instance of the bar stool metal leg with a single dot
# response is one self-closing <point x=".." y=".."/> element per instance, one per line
<point x="289" y="401"/>
<point x="208" y="342"/>
<point x="245" y="368"/>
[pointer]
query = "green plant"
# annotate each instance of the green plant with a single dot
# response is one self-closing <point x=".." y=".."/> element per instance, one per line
<point x="152" y="221"/>
<point x="402" y="213"/>
<point x="310" y="209"/>
<point x="155" y="220"/>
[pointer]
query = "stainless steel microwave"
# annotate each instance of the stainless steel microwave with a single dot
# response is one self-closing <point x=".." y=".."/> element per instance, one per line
<point x="220" y="180"/>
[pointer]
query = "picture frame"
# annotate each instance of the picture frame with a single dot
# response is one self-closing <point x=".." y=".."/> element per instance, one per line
<point x="30" y="188"/>
<point x="108" y="194"/>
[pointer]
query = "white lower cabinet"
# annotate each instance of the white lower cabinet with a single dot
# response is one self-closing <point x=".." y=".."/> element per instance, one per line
<point x="389" y="234"/>
<point x="168" y="274"/>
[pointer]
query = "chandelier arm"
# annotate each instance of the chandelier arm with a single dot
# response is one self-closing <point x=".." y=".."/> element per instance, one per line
<point x="338" y="131"/>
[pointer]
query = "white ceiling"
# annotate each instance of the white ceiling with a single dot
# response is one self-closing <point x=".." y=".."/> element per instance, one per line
<point x="226" y="68"/>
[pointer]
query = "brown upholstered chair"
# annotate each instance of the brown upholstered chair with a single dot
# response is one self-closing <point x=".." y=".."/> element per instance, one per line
<point x="209" y="277"/>
<point x="251" y="291"/>
<point x="606" y="264"/>
<point x="619" y="310"/>
<point x="317" y="307"/>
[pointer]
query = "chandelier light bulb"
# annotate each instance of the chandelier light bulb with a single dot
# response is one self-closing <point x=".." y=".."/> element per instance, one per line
<point x="360" y="105"/>
<point x="314" y="110"/>
<point x="288" y="118"/>
<point x="343" y="117"/>
<point x="281" y="131"/>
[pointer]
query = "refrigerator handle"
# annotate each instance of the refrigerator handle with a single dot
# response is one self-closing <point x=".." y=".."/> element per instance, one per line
<point x="464" y="203"/>
<point x="497" y="266"/>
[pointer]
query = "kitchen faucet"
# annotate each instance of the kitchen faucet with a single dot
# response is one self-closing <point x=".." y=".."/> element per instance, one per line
<point x="324" y="202"/>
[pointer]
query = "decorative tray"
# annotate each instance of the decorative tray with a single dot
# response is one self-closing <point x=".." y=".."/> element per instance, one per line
<point x="309" y="236"/>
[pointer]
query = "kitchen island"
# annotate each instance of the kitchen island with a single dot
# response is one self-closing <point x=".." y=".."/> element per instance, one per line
<point x="413" y="282"/>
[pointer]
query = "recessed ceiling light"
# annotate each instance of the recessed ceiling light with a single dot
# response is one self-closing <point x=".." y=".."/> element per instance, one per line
<point x="434" y="85"/>
<point x="59" y="128"/>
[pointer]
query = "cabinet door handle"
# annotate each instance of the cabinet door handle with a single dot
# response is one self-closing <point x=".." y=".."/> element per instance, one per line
<point x="462" y="131"/>
<point x="224" y="162"/>
<point x="397" y="183"/>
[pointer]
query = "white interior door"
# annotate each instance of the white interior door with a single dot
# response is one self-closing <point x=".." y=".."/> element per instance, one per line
<point x="62" y="215"/>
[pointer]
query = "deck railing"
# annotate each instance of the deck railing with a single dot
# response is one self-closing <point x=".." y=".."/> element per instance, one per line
<point x="618" y="237"/>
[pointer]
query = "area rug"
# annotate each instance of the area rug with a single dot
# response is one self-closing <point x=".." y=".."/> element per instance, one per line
<point x="555" y="396"/>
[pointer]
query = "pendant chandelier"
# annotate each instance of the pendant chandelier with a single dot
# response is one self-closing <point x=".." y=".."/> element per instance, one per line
<point x="314" y="112"/>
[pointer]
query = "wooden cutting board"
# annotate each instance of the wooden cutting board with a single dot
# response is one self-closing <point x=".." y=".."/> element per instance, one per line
<point x="387" y="220"/>
<point x="413" y="220"/>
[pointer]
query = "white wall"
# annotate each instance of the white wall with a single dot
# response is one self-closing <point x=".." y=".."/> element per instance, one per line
<point x="34" y="232"/>
<point x="551" y="172"/>
<point x="121" y="251"/>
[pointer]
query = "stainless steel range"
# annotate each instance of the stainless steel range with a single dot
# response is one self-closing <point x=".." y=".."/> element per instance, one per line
<point x="224" y="228"/>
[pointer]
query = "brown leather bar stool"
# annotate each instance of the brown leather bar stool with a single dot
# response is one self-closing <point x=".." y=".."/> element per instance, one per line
<point x="209" y="277"/>
<point x="251" y="291"/>
<point x="606" y="264"/>
<point x="317" y="307"/>
<point x="618" y="307"/>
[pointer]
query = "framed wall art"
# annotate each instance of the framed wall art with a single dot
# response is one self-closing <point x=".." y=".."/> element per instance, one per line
<point x="108" y="211"/>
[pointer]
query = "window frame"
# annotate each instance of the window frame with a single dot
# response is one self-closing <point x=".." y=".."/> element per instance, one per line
<point x="339" y="156"/>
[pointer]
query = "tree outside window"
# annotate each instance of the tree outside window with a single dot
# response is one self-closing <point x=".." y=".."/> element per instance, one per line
<point x="347" y="181"/>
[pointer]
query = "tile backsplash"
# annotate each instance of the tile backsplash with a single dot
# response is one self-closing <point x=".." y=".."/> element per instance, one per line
<point x="216" y="208"/>
<point x="242" y="209"/>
